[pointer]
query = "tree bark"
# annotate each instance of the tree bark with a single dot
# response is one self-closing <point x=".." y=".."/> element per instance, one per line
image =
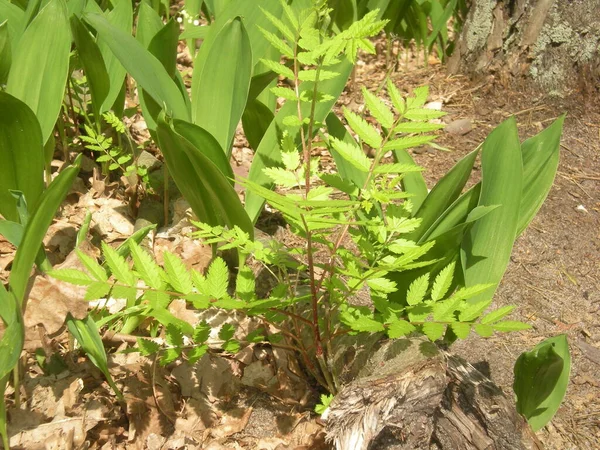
<point x="410" y="396"/>
<point x="555" y="43"/>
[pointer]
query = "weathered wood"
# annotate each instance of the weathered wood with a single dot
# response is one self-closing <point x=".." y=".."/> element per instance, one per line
<point x="411" y="395"/>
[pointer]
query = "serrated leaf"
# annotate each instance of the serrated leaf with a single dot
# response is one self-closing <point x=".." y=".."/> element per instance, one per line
<point x="169" y="355"/>
<point x="278" y="68"/>
<point x="157" y="299"/>
<point x="291" y="121"/>
<point x="398" y="168"/>
<point x="217" y="279"/>
<point x="497" y="315"/>
<point x="396" y="97"/>
<point x="276" y="42"/>
<point x="423" y="114"/>
<point x="408" y="142"/>
<point x="147" y="347"/>
<point x="419" y="97"/>
<point x="282" y="27"/>
<point x="510" y="325"/>
<point x="129" y="293"/>
<point x="442" y="282"/>
<point x="461" y="330"/>
<point x="199" y="281"/>
<point x="229" y="303"/>
<point x="418" y="288"/>
<point x="177" y="274"/>
<point x="311" y="75"/>
<point x="382" y="285"/>
<point x="284" y="92"/>
<point x="145" y="266"/>
<point x="399" y="328"/>
<point x="201" y="332"/>
<point x="200" y="301"/>
<point x="173" y="335"/>
<point x="291" y="160"/>
<point x="352" y="153"/>
<point x="72" y="276"/>
<point x="483" y="330"/>
<point x="468" y="292"/>
<point x="366" y="324"/>
<point x="444" y="310"/>
<point x="433" y="330"/>
<point x="365" y="131"/>
<point x="281" y="177"/>
<point x="417" y="127"/>
<point x="231" y="346"/>
<point x="472" y="312"/>
<point x="92" y="266"/>
<point x="226" y="332"/>
<point x="118" y="266"/>
<point x="194" y="354"/>
<point x="378" y="109"/>
<point x="97" y="290"/>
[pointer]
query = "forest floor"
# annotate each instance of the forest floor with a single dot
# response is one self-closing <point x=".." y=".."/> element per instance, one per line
<point x="258" y="399"/>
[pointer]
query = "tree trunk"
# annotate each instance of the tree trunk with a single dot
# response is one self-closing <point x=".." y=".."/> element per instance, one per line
<point x="412" y="396"/>
<point x="555" y="43"/>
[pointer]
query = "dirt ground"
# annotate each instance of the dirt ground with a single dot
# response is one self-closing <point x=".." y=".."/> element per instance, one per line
<point x="553" y="278"/>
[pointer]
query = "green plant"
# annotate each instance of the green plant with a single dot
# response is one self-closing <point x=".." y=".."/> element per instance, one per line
<point x="27" y="233"/>
<point x="541" y="379"/>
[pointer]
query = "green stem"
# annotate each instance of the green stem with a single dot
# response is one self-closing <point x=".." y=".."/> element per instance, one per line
<point x="3" y="429"/>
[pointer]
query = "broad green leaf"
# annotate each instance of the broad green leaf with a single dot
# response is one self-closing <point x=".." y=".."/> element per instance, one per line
<point x="455" y="214"/>
<point x="15" y="18"/>
<point x="12" y="231"/>
<point x="37" y="226"/>
<point x="487" y="246"/>
<point x="87" y="335"/>
<point x="268" y="153"/>
<point x="442" y="282"/>
<point x="93" y="66"/>
<point x="540" y="161"/>
<point x="146" y="69"/>
<point x="163" y="46"/>
<point x="207" y="144"/>
<point x="5" y="51"/>
<point x="13" y="337"/>
<point x="412" y="183"/>
<point x="224" y="85"/>
<point x="433" y="330"/>
<point x="363" y="129"/>
<point x="177" y="273"/>
<point x="121" y="18"/>
<point x="40" y="65"/>
<point x="148" y="24"/>
<point x="145" y="266"/>
<point x="256" y="120"/>
<point x="541" y="380"/>
<point x="378" y="109"/>
<point x="444" y="193"/>
<point x="417" y="290"/>
<point x="217" y="279"/>
<point x="21" y="156"/>
<point x="209" y="192"/>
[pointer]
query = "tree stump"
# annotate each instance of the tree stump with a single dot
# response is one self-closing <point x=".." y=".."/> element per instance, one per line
<point x="411" y="395"/>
